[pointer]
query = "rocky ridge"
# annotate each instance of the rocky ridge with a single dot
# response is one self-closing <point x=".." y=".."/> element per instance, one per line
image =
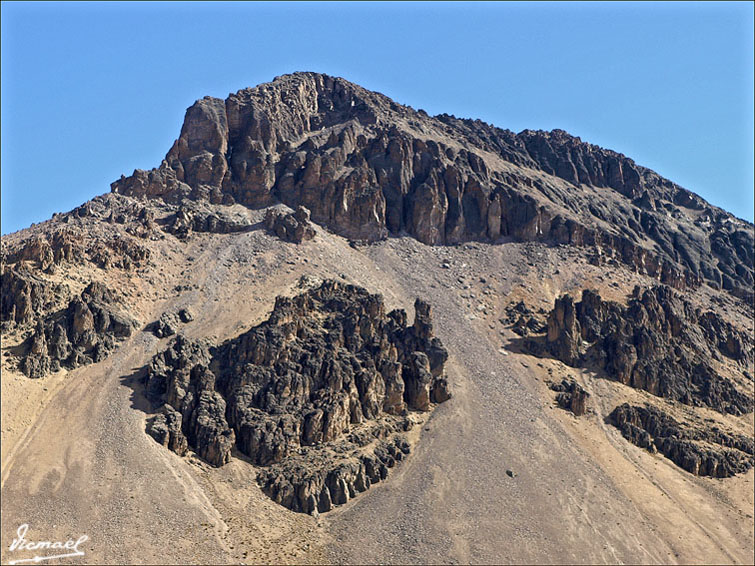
<point x="702" y="451"/>
<point x="367" y="167"/>
<point x="190" y="217"/>
<point x="319" y="394"/>
<point x="658" y="343"/>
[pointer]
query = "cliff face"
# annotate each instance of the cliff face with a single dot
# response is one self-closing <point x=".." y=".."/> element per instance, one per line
<point x="367" y="167"/>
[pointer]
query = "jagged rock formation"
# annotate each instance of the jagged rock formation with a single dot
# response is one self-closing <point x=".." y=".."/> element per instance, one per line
<point x="327" y="380"/>
<point x="292" y="226"/>
<point x="194" y="412"/>
<point x="701" y="451"/>
<point x="165" y="427"/>
<point x="658" y="342"/>
<point x="83" y="333"/>
<point x="26" y="296"/>
<point x="316" y="479"/>
<point x="571" y="396"/>
<point x="366" y="166"/>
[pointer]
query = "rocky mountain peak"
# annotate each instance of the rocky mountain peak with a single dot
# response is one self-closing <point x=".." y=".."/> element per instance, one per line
<point x="213" y="304"/>
<point x="367" y="167"/>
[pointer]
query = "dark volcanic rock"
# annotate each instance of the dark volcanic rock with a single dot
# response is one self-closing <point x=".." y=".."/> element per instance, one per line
<point x="366" y="167"/>
<point x="658" y="343"/>
<point x="180" y="378"/>
<point x="320" y="392"/>
<point x="169" y="323"/>
<point x="83" y="333"/>
<point x="166" y="428"/>
<point x="523" y="320"/>
<point x="26" y="296"/>
<point x="701" y="451"/>
<point x="571" y="396"/>
<point x="292" y="226"/>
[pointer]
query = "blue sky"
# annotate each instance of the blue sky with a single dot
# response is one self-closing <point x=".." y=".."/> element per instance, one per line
<point x="90" y="90"/>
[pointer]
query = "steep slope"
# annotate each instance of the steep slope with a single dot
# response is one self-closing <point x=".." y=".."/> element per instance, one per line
<point x="211" y="364"/>
<point x="366" y="166"/>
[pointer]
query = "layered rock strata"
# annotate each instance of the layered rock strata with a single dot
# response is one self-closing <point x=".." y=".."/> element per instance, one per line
<point x="703" y="451"/>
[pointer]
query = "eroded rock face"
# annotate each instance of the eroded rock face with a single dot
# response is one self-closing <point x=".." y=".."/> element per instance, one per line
<point x="366" y="167"/>
<point x="84" y="333"/>
<point x="702" y="451"/>
<point x="292" y="226"/>
<point x="658" y="343"/>
<point x="320" y="393"/>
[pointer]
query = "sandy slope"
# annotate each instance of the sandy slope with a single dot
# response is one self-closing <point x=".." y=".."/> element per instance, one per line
<point x="76" y="459"/>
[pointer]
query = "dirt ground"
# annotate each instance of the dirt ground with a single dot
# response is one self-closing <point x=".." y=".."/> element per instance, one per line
<point x="76" y="459"/>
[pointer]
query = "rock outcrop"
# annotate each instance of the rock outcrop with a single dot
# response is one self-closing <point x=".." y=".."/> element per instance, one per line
<point x="290" y="226"/>
<point x="83" y="333"/>
<point x="320" y="393"/>
<point x="169" y="323"/>
<point x="703" y="451"/>
<point x="571" y="396"/>
<point x="366" y="167"/>
<point x="26" y="296"/>
<point x="191" y="218"/>
<point x="68" y="239"/>
<point x="524" y="320"/>
<point x="659" y="343"/>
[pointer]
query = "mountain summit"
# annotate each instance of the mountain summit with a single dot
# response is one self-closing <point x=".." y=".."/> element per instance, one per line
<point x="329" y="328"/>
<point x="368" y="167"/>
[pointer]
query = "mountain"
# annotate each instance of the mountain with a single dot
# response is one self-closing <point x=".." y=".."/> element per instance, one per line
<point x="215" y="362"/>
<point x="367" y="167"/>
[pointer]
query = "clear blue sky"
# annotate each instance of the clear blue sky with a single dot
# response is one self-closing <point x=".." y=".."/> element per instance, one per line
<point x="90" y="90"/>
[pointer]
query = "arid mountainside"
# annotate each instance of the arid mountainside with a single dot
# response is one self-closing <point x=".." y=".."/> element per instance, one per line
<point x="218" y="361"/>
<point x="367" y="167"/>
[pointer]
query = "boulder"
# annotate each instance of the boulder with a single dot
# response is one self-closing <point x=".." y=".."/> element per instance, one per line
<point x="292" y="227"/>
